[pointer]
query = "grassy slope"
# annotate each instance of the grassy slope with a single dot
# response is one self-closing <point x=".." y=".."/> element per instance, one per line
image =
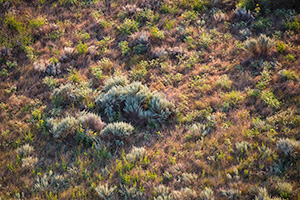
<point x="209" y="83"/>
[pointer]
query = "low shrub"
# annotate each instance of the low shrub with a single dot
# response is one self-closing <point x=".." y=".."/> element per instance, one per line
<point x="91" y="121"/>
<point x="105" y="192"/>
<point x="258" y="46"/>
<point x="289" y="148"/>
<point x="270" y="99"/>
<point x="135" y="154"/>
<point x="133" y="100"/>
<point x="63" y="128"/>
<point x="117" y="130"/>
<point x="129" y="26"/>
<point x="71" y="94"/>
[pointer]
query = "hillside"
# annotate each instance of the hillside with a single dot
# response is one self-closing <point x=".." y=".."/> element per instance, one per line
<point x="144" y="99"/>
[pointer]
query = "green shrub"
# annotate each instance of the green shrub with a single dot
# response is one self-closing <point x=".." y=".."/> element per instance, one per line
<point x="104" y="44"/>
<point x="13" y="24"/>
<point x="156" y="33"/>
<point x="36" y="23"/>
<point x="125" y="49"/>
<point x="280" y="47"/>
<point x="224" y="82"/>
<point x="106" y="64"/>
<point x="11" y="65"/>
<point x="97" y="72"/>
<point x="233" y="98"/>
<point x="262" y="24"/>
<point x="289" y="75"/>
<point x="293" y="25"/>
<point x="264" y="79"/>
<point x="82" y="48"/>
<point x="242" y="148"/>
<point x="50" y="82"/>
<point x="290" y="57"/>
<point x="129" y="26"/>
<point x="269" y="98"/>
<point x="4" y="73"/>
<point x="139" y="72"/>
<point x="146" y="14"/>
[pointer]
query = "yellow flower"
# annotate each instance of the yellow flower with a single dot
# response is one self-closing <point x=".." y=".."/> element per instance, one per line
<point x="257" y="5"/>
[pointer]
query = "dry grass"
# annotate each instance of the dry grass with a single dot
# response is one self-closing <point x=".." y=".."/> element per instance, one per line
<point x="187" y="51"/>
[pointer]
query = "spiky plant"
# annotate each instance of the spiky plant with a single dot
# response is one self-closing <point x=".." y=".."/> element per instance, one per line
<point x="288" y="147"/>
<point x="105" y="192"/>
<point x="259" y="46"/>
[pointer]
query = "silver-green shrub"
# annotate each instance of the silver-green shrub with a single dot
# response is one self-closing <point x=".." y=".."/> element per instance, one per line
<point x="61" y="128"/>
<point x="135" y="154"/>
<point x="288" y="147"/>
<point x="64" y="127"/>
<point x="133" y="100"/>
<point x="117" y="130"/>
<point x="264" y="195"/>
<point x="207" y="194"/>
<point x="115" y="81"/>
<point x="105" y="192"/>
<point x="49" y="181"/>
<point x="242" y="147"/>
<point x="259" y="46"/>
<point x="70" y="93"/>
